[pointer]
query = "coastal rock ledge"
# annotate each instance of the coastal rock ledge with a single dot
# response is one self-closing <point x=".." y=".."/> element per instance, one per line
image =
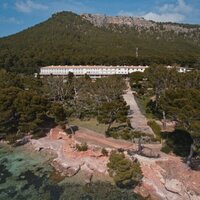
<point x="162" y="183"/>
<point x="66" y="171"/>
<point x="68" y="161"/>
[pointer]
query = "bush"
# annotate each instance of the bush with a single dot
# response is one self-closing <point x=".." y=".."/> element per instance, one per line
<point x="82" y="147"/>
<point x="126" y="133"/>
<point x="156" y="128"/>
<point x="108" y="133"/>
<point x="126" y="173"/>
<point x="166" y="149"/>
<point x="11" y="138"/>
<point x="138" y="134"/>
<point x="104" y="152"/>
<point x="126" y="136"/>
<point x="121" y="132"/>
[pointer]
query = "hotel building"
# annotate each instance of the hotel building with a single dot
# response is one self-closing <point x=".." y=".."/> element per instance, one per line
<point x="92" y="71"/>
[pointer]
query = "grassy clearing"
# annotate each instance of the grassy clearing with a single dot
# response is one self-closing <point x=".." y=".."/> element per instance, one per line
<point x="142" y="104"/>
<point x="92" y="124"/>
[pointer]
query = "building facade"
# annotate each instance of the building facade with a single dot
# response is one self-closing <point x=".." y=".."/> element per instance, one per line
<point x="180" y="69"/>
<point x="92" y="71"/>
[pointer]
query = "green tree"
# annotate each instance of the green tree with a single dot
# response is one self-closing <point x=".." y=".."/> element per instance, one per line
<point x="8" y="114"/>
<point x="109" y="112"/>
<point x="183" y="105"/>
<point x="58" y="113"/>
<point x="135" y="77"/>
<point x="31" y="111"/>
<point x="125" y="172"/>
<point x="108" y="89"/>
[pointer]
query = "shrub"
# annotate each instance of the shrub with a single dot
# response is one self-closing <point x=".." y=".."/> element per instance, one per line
<point x="126" y="133"/>
<point x="138" y="134"/>
<point x="156" y="128"/>
<point x="104" y="152"/>
<point x="125" y="172"/>
<point x="108" y="133"/>
<point x="12" y="138"/>
<point x="153" y="139"/>
<point x="166" y="149"/>
<point x="82" y="147"/>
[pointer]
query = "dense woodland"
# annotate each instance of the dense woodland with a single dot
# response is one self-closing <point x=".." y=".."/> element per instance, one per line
<point x="31" y="106"/>
<point x="66" y="38"/>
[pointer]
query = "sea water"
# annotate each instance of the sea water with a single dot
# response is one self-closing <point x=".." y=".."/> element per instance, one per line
<point x="28" y="175"/>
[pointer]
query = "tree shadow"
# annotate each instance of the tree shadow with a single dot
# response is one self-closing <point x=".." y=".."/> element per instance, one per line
<point x="195" y="162"/>
<point x="45" y="128"/>
<point x="179" y="142"/>
<point x="71" y="130"/>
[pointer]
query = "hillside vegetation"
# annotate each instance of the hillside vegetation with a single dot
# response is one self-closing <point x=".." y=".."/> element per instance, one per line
<point x="67" y="38"/>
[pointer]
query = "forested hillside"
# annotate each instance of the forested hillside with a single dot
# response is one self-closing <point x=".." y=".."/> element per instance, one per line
<point x="67" y="38"/>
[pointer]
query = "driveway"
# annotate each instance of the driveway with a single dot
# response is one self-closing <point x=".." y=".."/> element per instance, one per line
<point x="137" y="119"/>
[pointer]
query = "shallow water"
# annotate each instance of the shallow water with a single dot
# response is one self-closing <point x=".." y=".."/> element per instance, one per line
<point x="28" y="175"/>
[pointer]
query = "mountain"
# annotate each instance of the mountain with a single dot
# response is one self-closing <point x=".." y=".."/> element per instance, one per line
<point x="68" y="38"/>
<point x="139" y="23"/>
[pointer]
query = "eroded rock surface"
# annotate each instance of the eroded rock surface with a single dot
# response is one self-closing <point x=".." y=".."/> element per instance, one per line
<point x="67" y="160"/>
<point x="168" y="178"/>
<point x="138" y="23"/>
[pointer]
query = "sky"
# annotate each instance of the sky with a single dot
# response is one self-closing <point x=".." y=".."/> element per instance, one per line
<point x="17" y="15"/>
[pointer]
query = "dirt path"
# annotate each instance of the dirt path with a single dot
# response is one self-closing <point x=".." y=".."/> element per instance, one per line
<point x="91" y="137"/>
<point x="85" y="135"/>
<point x="137" y="119"/>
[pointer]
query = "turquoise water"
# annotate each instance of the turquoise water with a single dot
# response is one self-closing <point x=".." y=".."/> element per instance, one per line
<point x="26" y="175"/>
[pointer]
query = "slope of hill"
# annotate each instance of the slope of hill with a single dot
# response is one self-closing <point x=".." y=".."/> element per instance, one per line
<point x="139" y="23"/>
<point x="68" y="38"/>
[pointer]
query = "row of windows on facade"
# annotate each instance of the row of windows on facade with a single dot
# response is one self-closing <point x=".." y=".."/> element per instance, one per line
<point x="74" y="70"/>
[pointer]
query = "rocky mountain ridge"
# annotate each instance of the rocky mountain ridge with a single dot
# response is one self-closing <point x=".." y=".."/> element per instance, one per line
<point x="138" y="23"/>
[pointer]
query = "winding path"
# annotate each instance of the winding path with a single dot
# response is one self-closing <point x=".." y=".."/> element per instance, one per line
<point x="137" y="119"/>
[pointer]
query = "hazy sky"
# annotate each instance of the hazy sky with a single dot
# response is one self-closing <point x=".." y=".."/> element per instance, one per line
<point x="16" y="15"/>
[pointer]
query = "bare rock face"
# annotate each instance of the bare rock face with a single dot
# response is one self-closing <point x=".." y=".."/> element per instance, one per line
<point x="178" y="191"/>
<point x="138" y="23"/>
<point x="168" y="178"/>
<point x="103" y="20"/>
<point x="149" y="153"/>
<point x="174" y="186"/>
<point x="66" y="171"/>
<point x="88" y="173"/>
<point x="72" y="171"/>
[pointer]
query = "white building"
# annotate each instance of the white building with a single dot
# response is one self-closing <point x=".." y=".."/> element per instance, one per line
<point x="180" y="69"/>
<point x="92" y="71"/>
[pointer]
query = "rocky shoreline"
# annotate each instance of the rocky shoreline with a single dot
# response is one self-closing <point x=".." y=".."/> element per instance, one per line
<point x="164" y="178"/>
<point x="168" y="178"/>
<point x="68" y="161"/>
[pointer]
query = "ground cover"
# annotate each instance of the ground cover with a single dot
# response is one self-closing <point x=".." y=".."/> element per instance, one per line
<point x="142" y="102"/>
<point x="92" y="124"/>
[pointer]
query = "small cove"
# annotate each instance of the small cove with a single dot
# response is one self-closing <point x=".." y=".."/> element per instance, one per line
<point x="25" y="174"/>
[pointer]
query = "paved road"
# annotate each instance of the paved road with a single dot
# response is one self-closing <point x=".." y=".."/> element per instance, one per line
<point x="137" y="119"/>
